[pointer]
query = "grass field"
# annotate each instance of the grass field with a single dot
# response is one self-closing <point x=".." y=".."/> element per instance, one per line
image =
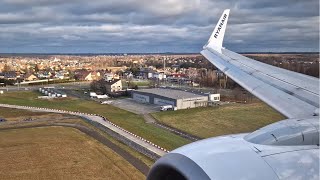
<point x="18" y="115"/>
<point x="141" y="83"/>
<point x="127" y="120"/>
<point x="59" y="153"/>
<point x="12" y="115"/>
<point x="215" y="121"/>
<point x="138" y="83"/>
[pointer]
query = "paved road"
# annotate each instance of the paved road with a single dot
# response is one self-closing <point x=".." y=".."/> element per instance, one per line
<point x="148" y="145"/>
<point x="145" y="109"/>
<point x="131" y="105"/>
<point x="137" y="163"/>
<point x="148" y="118"/>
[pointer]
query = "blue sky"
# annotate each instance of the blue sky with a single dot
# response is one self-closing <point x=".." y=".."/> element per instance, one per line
<point x="133" y="26"/>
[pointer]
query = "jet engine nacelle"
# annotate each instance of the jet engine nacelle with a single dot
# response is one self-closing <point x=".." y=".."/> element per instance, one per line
<point x="267" y="153"/>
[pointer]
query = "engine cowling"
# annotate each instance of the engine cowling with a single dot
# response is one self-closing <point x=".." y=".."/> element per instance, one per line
<point x="259" y="155"/>
<point x="176" y="166"/>
<point x="226" y="157"/>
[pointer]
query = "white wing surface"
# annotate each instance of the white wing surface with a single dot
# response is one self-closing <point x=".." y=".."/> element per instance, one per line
<point x="293" y="94"/>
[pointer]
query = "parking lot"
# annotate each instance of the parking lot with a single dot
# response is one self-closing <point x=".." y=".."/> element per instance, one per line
<point x="135" y="107"/>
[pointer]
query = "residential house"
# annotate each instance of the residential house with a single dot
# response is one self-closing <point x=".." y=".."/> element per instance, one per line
<point x="116" y="76"/>
<point x="113" y="86"/>
<point x="108" y="76"/>
<point x="95" y="75"/>
<point x="84" y="75"/>
<point x="177" y="77"/>
<point x="59" y="75"/>
<point x="146" y="73"/>
<point x="30" y="77"/>
<point x="159" y="75"/>
<point x="44" y="75"/>
<point x="11" y="75"/>
<point x="128" y="75"/>
<point x="175" y="67"/>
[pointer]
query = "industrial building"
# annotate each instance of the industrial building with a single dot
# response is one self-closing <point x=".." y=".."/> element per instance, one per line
<point x="166" y="96"/>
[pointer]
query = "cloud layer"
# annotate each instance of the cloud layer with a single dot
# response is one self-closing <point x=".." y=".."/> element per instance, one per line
<point x="100" y="26"/>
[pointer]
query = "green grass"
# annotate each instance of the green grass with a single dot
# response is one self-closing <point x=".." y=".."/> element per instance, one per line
<point x="138" y="83"/>
<point x="141" y="83"/>
<point x="8" y="113"/>
<point x="127" y="120"/>
<point x="215" y="121"/>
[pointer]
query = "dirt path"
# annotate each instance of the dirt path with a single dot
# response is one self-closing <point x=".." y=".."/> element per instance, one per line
<point x="143" y="168"/>
<point x="148" y="118"/>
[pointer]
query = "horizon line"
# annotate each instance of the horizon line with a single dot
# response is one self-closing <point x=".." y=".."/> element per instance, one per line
<point x="155" y="53"/>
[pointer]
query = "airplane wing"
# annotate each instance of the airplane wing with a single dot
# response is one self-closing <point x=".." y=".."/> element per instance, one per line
<point x="288" y="149"/>
<point x="293" y="94"/>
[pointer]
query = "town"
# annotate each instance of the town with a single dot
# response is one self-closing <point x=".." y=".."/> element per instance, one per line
<point x="190" y="69"/>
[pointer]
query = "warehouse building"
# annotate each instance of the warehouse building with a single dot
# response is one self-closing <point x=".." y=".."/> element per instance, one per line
<point x="177" y="98"/>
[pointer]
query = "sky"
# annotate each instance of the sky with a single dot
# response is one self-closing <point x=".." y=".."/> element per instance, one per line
<point x="145" y="26"/>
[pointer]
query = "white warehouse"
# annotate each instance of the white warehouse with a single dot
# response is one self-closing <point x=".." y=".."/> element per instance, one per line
<point x="165" y="96"/>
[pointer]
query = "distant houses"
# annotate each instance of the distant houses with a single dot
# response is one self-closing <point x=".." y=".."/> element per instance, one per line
<point x="109" y="76"/>
<point x="80" y="75"/>
<point x="150" y="73"/>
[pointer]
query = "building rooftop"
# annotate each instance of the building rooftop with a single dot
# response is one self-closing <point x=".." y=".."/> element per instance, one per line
<point x="170" y="93"/>
<point x="112" y="82"/>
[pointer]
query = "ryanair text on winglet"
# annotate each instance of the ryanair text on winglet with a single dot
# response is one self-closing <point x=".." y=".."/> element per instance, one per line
<point x="220" y="26"/>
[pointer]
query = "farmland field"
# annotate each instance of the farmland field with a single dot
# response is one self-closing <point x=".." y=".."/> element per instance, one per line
<point x="59" y="153"/>
<point x="15" y="119"/>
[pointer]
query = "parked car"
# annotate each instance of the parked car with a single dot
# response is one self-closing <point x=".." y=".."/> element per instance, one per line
<point x="106" y="102"/>
<point x="166" y="108"/>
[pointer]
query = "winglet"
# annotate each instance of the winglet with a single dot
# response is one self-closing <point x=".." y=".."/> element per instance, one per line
<point x="216" y="38"/>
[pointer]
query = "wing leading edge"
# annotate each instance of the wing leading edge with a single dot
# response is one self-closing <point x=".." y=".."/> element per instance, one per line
<point x="293" y="94"/>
